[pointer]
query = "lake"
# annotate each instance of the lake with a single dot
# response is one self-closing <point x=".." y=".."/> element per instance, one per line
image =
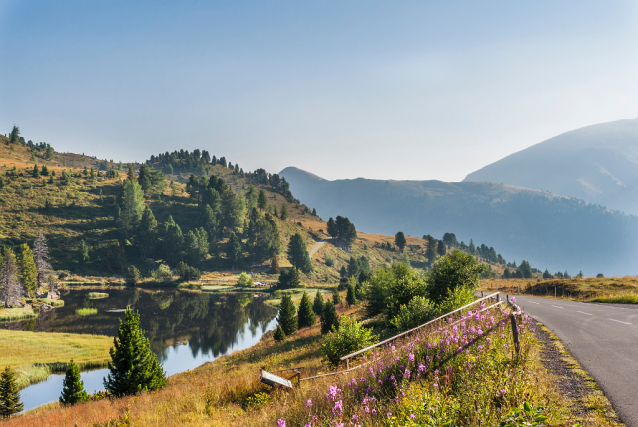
<point x="185" y="328"/>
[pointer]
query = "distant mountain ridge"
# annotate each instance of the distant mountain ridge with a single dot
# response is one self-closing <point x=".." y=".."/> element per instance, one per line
<point x="597" y="163"/>
<point x="549" y="230"/>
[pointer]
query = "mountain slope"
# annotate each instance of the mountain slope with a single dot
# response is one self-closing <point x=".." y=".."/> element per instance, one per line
<point x="597" y="163"/>
<point x="550" y="231"/>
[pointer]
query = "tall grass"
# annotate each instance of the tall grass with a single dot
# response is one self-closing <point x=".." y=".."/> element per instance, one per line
<point x="86" y="311"/>
<point x="620" y="298"/>
<point x="10" y="314"/>
<point x="97" y="295"/>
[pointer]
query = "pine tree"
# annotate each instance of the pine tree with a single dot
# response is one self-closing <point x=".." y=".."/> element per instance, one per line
<point x="284" y="211"/>
<point x="28" y="269"/>
<point x="9" y="394"/>
<point x="73" y="386"/>
<point x="147" y="231"/>
<point x="274" y="264"/>
<point x="233" y="249"/>
<point x="286" y="318"/>
<point x="306" y="315"/>
<point x="329" y="318"/>
<point x="84" y="252"/>
<point x="36" y="171"/>
<point x="298" y="253"/>
<point x="10" y="282"/>
<point x="399" y="240"/>
<point x="351" y="298"/>
<point x="262" y="200"/>
<point x="275" y="211"/>
<point x="41" y="256"/>
<point x="131" y="173"/>
<point x="279" y="336"/>
<point x="317" y="305"/>
<point x="132" y="205"/>
<point x="336" y="297"/>
<point x="133" y="366"/>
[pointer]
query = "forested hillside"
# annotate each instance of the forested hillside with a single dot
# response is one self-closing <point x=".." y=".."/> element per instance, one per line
<point x="548" y="230"/>
<point x="184" y="210"/>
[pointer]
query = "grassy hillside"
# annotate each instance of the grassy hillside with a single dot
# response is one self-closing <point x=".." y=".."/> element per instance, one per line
<point x="84" y="208"/>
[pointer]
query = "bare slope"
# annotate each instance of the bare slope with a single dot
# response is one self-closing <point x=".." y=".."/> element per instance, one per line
<point x="550" y="231"/>
<point x="597" y="163"/>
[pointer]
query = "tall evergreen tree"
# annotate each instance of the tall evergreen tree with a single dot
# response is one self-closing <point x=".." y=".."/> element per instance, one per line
<point x="298" y="253"/>
<point x="279" y="335"/>
<point x="133" y="366"/>
<point x="262" y="200"/>
<point x="83" y="250"/>
<point x="233" y="249"/>
<point x="431" y="250"/>
<point x="11" y="286"/>
<point x="317" y="305"/>
<point x="329" y="318"/>
<point x="331" y="228"/>
<point x="173" y="244"/>
<point x="41" y="257"/>
<point x="147" y="231"/>
<point x="287" y="318"/>
<point x="274" y="264"/>
<point x="36" y="171"/>
<point x="399" y="240"/>
<point x="14" y="136"/>
<point x="284" y="211"/>
<point x="28" y="269"/>
<point x="336" y="297"/>
<point x="73" y="386"/>
<point x="306" y="315"/>
<point x="351" y="298"/>
<point x="131" y="173"/>
<point x="440" y="248"/>
<point x="9" y="394"/>
<point x="132" y="205"/>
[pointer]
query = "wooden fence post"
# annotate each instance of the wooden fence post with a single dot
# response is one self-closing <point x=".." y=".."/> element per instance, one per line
<point x="347" y="364"/>
<point x="517" y="344"/>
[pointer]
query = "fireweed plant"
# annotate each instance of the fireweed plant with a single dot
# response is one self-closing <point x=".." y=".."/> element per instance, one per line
<point x="464" y="374"/>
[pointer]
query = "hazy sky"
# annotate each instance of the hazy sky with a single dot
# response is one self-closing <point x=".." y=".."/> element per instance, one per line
<point x="396" y="89"/>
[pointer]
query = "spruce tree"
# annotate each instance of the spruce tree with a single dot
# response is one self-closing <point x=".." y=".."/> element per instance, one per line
<point x="284" y="211"/>
<point x="336" y="297"/>
<point x="317" y="305"/>
<point x="274" y="264"/>
<point x="331" y="228"/>
<point x="73" y="386"/>
<point x="28" y="269"/>
<point x="36" y="171"/>
<point x="132" y="205"/>
<point x="287" y="319"/>
<point x="131" y="173"/>
<point x="41" y="256"/>
<point x="279" y="334"/>
<point x="351" y="298"/>
<point x="133" y="366"/>
<point x="84" y="252"/>
<point x="399" y="240"/>
<point x="329" y="318"/>
<point x="9" y="281"/>
<point x="147" y="231"/>
<point x="9" y="394"/>
<point x="298" y="253"/>
<point x="306" y="315"/>
<point x="262" y="200"/>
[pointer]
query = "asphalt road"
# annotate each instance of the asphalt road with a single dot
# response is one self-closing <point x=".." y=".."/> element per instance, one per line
<point x="604" y="340"/>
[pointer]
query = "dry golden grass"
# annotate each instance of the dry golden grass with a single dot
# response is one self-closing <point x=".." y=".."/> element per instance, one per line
<point x="613" y="289"/>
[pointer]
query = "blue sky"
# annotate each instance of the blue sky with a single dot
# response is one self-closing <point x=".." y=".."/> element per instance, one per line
<point x="399" y="90"/>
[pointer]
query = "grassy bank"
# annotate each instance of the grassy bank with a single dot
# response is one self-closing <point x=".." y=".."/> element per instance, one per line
<point x="35" y="355"/>
<point x="477" y="387"/>
<point x="10" y="314"/>
<point x="622" y="290"/>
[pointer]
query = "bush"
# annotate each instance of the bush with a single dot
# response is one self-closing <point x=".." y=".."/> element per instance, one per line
<point x="244" y="280"/>
<point x="163" y="273"/>
<point x="458" y="298"/>
<point x="132" y="275"/>
<point x="350" y="337"/>
<point x="330" y="261"/>
<point x="289" y="279"/>
<point x="186" y="273"/>
<point x="456" y="270"/>
<point x="279" y="334"/>
<point x="415" y="313"/>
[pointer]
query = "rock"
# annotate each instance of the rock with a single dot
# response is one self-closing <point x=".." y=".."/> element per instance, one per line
<point x="45" y="307"/>
<point x="53" y="294"/>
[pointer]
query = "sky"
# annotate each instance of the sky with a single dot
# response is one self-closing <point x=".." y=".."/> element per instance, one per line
<point x="387" y="90"/>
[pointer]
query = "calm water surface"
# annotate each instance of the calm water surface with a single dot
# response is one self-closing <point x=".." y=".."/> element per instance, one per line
<point x="185" y="329"/>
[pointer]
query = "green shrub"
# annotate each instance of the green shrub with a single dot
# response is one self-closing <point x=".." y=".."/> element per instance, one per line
<point x="456" y="270"/>
<point x="457" y="298"/>
<point x="186" y="272"/>
<point x="280" y="335"/>
<point x="244" y="280"/>
<point x="415" y="313"/>
<point x="86" y="311"/>
<point x="132" y="275"/>
<point x="350" y="337"/>
<point x="163" y="273"/>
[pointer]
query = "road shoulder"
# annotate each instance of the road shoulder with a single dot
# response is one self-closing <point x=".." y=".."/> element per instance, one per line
<point x="589" y="405"/>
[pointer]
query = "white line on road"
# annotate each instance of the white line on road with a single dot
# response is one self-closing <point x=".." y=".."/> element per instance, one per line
<point x="556" y="306"/>
<point x="534" y="302"/>
<point x="620" y="321"/>
<point x="589" y="314"/>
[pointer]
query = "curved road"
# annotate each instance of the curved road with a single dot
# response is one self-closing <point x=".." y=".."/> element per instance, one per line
<point x="604" y="340"/>
<point x="316" y="246"/>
